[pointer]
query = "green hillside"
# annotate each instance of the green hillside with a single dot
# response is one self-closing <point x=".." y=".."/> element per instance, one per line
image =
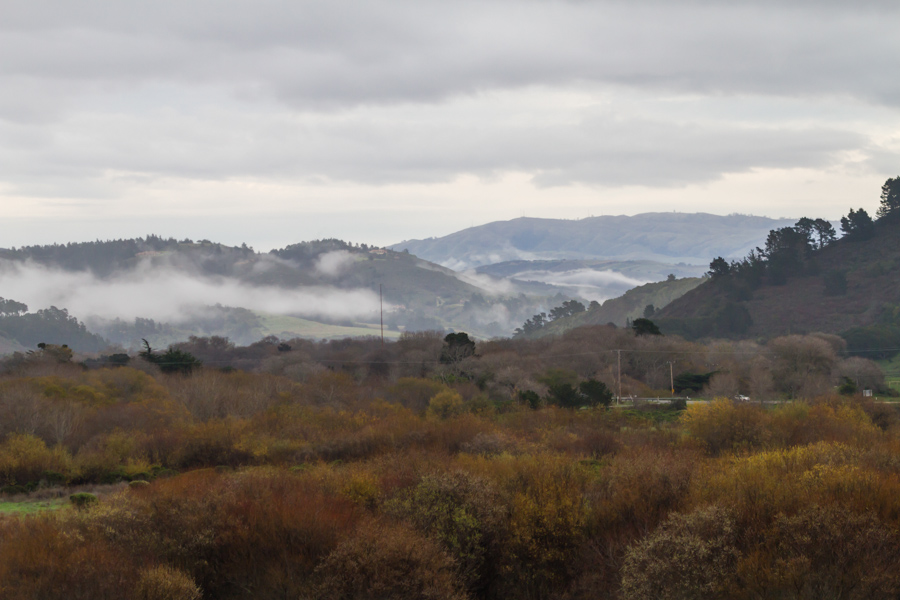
<point x="287" y="327"/>
<point x="631" y="305"/>
<point x="850" y="287"/>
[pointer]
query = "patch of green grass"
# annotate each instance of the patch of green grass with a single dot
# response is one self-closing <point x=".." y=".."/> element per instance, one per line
<point x="32" y="506"/>
<point x="890" y="367"/>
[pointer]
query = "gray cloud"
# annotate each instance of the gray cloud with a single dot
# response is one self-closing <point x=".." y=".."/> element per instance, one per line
<point x="102" y="99"/>
<point x="425" y="143"/>
<point x="332" y="53"/>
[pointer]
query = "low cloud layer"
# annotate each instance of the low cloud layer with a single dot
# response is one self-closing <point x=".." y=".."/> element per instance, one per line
<point x="332" y="264"/>
<point x="171" y="296"/>
<point x="586" y="283"/>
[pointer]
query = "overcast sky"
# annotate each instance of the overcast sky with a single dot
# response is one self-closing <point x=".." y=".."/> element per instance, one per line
<point x="274" y="122"/>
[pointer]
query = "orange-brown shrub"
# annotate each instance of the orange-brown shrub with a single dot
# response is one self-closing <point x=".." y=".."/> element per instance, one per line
<point x="546" y="526"/>
<point x="820" y="552"/>
<point x="761" y="486"/>
<point x="165" y="583"/>
<point x="261" y="532"/>
<point x="40" y="558"/>
<point x="638" y="489"/>
<point x="389" y="562"/>
<point x="213" y="443"/>
<point x="800" y="423"/>
<point x="414" y="392"/>
<point x="724" y="425"/>
<point x="25" y="459"/>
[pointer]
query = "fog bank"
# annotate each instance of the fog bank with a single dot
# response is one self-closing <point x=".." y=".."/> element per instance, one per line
<point x="170" y="295"/>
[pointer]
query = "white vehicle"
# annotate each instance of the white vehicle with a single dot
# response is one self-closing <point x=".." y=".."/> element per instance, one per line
<point x="742" y="398"/>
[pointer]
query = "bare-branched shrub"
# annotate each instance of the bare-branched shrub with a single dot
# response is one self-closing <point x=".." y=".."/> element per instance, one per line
<point x="689" y="557"/>
<point x="165" y="583"/>
<point x="390" y="563"/>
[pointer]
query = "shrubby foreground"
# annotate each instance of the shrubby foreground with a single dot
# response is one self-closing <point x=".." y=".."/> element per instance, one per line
<point x="360" y="481"/>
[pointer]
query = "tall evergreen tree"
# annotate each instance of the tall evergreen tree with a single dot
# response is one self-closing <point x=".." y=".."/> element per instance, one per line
<point x="890" y="198"/>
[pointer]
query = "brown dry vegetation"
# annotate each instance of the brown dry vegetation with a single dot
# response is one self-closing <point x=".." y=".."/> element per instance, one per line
<point x="317" y="479"/>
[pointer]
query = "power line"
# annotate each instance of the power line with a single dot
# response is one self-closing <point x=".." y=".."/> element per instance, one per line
<point x="566" y="355"/>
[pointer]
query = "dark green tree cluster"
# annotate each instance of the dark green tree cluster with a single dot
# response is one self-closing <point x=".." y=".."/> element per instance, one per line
<point x="645" y="326"/>
<point x="566" y="309"/>
<point x="172" y="360"/>
<point x="890" y="199"/>
<point x="457" y="346"/>
<point x="100" y="257"/>
<point x="538" y="321"/>
<point x="788" y="251"/>
<point x="857" y="225"/>
<point x="564" y="390"/>
<point x="11" y="307"/>
<point x="308" y="252"/>
<point x="818" y="232"/>
<point x="50" y="325"/>
<point x="691" y="382"/>
<point x="103" y="258"/>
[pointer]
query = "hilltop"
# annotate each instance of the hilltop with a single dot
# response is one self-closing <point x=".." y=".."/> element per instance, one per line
<point x="849" y="287"/>
<point x="691" y="238"/>
<point x="322" y="288"/>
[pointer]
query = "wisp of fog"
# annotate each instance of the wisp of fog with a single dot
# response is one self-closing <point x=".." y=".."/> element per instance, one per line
<point x="167" y="294"/>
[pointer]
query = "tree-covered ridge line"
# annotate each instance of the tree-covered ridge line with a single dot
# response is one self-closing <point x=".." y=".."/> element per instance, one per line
<point x="103" y="258"/>
<point x="50" y="325"/>
<point x="420" y="295"/>
<point x="804" y="279"/>
<point x="789" y="250"/>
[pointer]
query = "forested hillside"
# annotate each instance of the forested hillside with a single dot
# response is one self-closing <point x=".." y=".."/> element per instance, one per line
<point x="323" y="288"/>
<point x="799" y="283"/>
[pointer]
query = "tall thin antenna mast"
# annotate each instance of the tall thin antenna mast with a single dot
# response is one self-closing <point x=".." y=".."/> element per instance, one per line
<point x="619" y="375"/>
<point x="381" y="303"/>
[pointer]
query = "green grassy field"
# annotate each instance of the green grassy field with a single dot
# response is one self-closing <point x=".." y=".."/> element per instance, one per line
<point x="891" y="369"/>
<point x="32" y="506"/>
<point x="286" y="327"/>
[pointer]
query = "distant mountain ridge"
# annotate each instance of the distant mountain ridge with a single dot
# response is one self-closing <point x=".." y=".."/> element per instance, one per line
<point x="692" y="238"/>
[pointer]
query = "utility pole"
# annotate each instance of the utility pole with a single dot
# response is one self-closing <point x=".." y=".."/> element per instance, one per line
<point x="619" y="374"/>
<point x="671" y="378"/>
<point x="381" y="303"/>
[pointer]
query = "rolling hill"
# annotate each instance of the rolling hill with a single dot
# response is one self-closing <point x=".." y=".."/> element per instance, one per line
<point x="850" y="287"/>
<point x="692" y="238"/>
<point x="618" y="311"/>
<point x="165" y="290"/>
